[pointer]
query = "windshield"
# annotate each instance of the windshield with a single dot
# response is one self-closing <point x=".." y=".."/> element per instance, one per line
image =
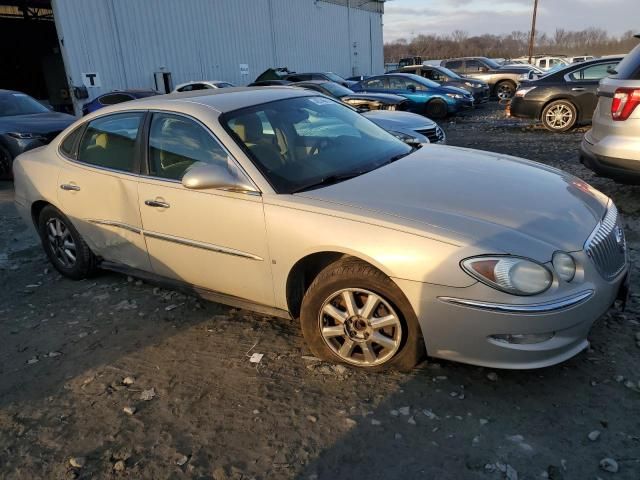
<point x="333" y="77"/>
<point x="19" y="104"/>
<point x="336" y="90"/>
<point x="449" y="73"/>
<point x="301" y="142"/>
<point x="491" y="63"/>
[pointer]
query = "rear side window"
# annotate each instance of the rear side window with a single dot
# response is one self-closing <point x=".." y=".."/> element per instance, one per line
<point x="629" y="67"/>
<point x="68" y="145"/>
<point x="374" y="83"/>
<point x="594" y="72"/>
<point x="110" y="141"/>
<point x="454" y="65"/>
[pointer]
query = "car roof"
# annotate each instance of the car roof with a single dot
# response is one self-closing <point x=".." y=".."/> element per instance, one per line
<point x="221" y="100"/>
<point x="2" y="90"/>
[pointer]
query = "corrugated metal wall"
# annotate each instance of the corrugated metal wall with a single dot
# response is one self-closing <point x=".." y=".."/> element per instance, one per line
<point x="126" y="41"/>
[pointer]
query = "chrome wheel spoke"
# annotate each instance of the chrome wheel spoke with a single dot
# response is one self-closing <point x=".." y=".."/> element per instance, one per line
<point x="347" y="348"/>
<point x="367" y="353"/>
<point x="334" y="313"/>
<point x="70" y="255"/>
<point x="369" y="306"/>
<point x="350" y="302"/>
<point x="382" y="322"/>
<point x="334" y="331"/>
<point x="382" y="340"/>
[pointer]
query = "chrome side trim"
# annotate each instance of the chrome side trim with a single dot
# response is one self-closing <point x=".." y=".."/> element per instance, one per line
<point x="553" y="306"/>
<point x="111" y="223"/>
<point x="205" y="246"/>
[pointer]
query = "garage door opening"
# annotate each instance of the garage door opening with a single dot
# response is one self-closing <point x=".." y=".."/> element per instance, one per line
<point x="30" y="58"/>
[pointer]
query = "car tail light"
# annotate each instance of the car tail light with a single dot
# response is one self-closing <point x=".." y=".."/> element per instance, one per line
<point x="625" y="101"/>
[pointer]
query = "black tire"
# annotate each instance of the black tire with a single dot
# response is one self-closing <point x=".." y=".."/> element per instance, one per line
<point x="436" y="108"/>
<point x="505" y="90"/>
<point x="6" y="164"/>
<point x="352" y="273"/>
<point x="562" y="121"/>
<point x="85" y="263"/>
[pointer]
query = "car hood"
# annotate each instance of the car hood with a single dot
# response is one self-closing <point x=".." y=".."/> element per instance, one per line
<point x="41" y="123"/>
<point x="475" y="81"/>
<point x="458" y="90"/>
<point x="497" y="203"/>
<point x="390" y="120"/>
<point x="387" y="98"/>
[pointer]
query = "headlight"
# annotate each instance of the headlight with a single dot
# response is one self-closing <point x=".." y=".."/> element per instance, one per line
<point x="408" y="139"/>
<point x="469" y="84"/>
<point x="514" y="275"/>
<point x="24" y="136"/>
<point x="521" y="92"/>
<point x="455" y="95"/>
<point x="564" y="265"/>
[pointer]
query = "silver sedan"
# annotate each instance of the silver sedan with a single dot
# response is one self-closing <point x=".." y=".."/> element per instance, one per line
<point x="286" y="202"/>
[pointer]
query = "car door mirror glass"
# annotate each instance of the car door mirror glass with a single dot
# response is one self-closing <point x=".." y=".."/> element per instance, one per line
<point x="202" y="176"/>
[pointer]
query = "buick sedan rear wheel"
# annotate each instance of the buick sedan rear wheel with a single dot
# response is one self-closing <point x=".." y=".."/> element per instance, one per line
<point x="354" y="314"/>
<point x="64" y="246"/>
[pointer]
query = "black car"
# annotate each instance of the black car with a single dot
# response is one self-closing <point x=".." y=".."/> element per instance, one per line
<point x="565" y="97"/>
<point x="448" y="78"/>
<point x="25" y="124"/>
<point x="360" y="101"/>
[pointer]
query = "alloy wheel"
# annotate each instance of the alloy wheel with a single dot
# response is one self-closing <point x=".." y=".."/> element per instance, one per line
<point x="360" y="326"/>
<point x="61" y="242"/>
<point x="505" y="91"/>
<point x="559" y="116"/>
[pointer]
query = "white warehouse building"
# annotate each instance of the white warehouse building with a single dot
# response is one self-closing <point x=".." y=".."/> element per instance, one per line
<point x="70" y="51"/>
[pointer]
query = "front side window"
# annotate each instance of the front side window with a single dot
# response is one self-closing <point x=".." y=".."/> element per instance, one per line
<point x="177" y="142"/>
<point x="374" y="83"/>
<point x="302" y="143"/>
<point x="110" y="141"/>
<point x="19" y="104"/>
<point x="397" y="83"/>
<point x="474" y="66"/>
<point x="454" y="65"/>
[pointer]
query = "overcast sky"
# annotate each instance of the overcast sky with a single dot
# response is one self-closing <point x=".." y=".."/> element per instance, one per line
<point x="406" y="18"/>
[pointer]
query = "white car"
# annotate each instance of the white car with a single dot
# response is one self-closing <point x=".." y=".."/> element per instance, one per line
<point x="202" y="85"/>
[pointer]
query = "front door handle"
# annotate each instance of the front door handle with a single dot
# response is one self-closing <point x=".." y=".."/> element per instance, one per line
<point x="70" y="187"/>
<point x="578" y="89"/>
<point x="156" y="203"/>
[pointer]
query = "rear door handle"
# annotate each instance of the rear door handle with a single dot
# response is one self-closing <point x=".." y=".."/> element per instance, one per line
<point x="70" y="187"/>
<point x="156" y="203"/>
<point x="578" y="89"/>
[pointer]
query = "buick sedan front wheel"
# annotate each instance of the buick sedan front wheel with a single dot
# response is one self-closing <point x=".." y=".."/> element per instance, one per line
<point x="354" y="314"/>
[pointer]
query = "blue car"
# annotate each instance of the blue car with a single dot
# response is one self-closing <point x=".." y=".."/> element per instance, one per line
<point x="112" y="98"/>
<point x="425" y="96"/>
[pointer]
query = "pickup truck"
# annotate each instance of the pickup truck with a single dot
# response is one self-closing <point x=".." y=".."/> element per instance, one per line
<point x="502" y="81"/>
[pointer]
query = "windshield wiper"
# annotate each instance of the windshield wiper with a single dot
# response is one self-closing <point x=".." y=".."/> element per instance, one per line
<point x="330" y="180"/>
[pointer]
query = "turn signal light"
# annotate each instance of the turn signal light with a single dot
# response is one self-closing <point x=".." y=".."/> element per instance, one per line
<point x="625" y="101"/>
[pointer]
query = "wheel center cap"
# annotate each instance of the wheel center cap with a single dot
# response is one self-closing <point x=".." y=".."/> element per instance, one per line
<point x="357" y="328"/>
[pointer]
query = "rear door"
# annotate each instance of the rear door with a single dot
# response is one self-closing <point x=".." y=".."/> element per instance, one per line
<point x="98" y="188"/>
<point x="583" y="84"/>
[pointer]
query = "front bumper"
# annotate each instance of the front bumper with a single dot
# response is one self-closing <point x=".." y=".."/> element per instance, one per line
<point x="460" y="324"/>
<point x="481" y="95"/>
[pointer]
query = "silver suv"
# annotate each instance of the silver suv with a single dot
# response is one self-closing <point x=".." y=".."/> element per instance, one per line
<point x="612" y="147"/>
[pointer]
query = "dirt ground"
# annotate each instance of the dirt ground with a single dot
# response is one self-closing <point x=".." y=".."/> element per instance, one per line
<point x="197" y="408"/>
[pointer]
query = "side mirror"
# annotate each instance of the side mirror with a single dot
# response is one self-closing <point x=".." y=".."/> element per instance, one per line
<point x="411" y="88"/>
<point x="202" y="176"/>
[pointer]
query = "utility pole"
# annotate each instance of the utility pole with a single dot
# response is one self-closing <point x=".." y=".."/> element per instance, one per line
<point x="532" y="36"/>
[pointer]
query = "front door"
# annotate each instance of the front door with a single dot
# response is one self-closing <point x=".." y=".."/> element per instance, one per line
<point x="208" y="238"/>
<point x="98" y="188"/>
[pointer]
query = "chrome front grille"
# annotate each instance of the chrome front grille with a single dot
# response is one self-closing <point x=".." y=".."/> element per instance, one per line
<point x="606" y="245"/>
<point x="435" y="135"/>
